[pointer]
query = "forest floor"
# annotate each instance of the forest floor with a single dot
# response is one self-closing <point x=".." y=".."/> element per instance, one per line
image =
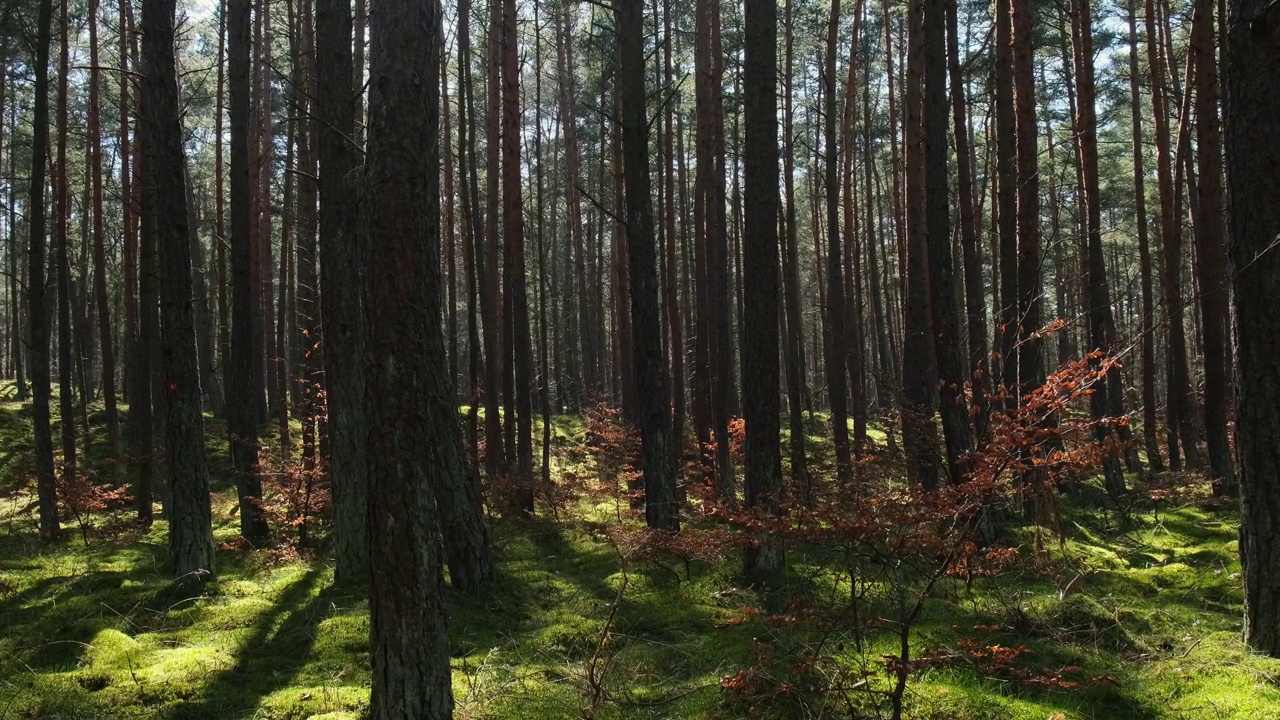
<point x="573" y="628"/>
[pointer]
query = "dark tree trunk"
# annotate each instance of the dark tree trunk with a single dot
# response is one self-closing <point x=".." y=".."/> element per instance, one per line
<point x="1102" y="329"/>
<point x="488" y="272"/>
<point x="1147" y="326"/>
<point x="407" y="388"/>
<point x="191" y="548"/>
<point x="1252" y="111"/>
<point x="919" y="356"/>
<point x="1179" y="404"/>
<point x="835" y="365"/>
<point x="942" y="289"/>
<point x="1005" y="208"/>
<point x="46" y="483"/>
<point x="341" y="249"/>
<point x="970" y="231"/>
<point x="100" y="297"/>
<point x="513" y="235"/>
<point x="791" y="273"/>
<point x="653" y="418"/>
<point x="762" y="480"/>
<point x="242" y="397"/>
<point x="711" y="181"/>
<point x="671" y="285"/>
<point x="1211" y="261"/>
<point x="62" y="239"/>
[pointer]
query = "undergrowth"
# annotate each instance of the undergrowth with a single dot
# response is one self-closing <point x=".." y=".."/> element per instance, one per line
<point x="1131" y="615"/>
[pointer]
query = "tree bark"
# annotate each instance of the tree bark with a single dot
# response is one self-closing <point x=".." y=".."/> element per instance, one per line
<point x="1252" y="139"/>
<point x="760" y="337"/>
<point x="242" y="398"/>
<point x="942" y="289"/>
<point x="513" y="235"/>
<point x="1147" y="326"/>
<point x="101" y="299"/>
<point x="191" y="548"/>
<point x="341" y="250"/>
<point x="1211" y="261"/>
<point x="407" y="389"/>
<point x="835" y="365"/>
<point x="654" y="419"/>
<point x="46" y="484"/>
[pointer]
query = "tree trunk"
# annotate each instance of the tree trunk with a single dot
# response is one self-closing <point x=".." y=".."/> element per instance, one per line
<point x="1180" y="407"/>
<point x="242" y="398"/>
<point x="62" y="239"/>
<point x="1005" y="206"/>
<point x="191" y="548"/>
<point x="46" y="484"/>
<point x="1147" y="326"/>
<point x="711" y="182"/>
<point x="942" y="290"/>
<point x="1211" y="261"/>
<point x="513" y="235"/>
<point x="835" y="365"/>
<point x="341" y="249"/>
<point x="762" y="480"/>
<point x="1101" y="322"/>
<point x="654" y="419"/>
<point x="101" y="299"/>
<point x="1252" y="109"/>
<point x="970" y="231"/>
<point x="407" y="389"/>
<point x="488" y="271"/>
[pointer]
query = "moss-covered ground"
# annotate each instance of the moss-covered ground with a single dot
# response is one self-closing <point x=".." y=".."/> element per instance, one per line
<point x="569" y="630"/>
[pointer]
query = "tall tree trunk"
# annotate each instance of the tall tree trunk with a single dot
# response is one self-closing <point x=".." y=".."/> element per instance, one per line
<point x="942" y="289"/>
<point x="654" y="419"/>
<point x="101" y="299"/>
<point x="1211" y="261"/>
<point x="970" y="231"/>
<point x="585" y="381"/>
<point x="1147" y="326"/>
<point x="671" y="285"/>
<point x="1102" y="329"/>
<point x="1180" y="407"/>
<point x="489" y="273"/>
<point x="919" y="354"/>
<point x="762" y="479"/>
<point x="711" y="182"/>
<point x="341" y="249"/>
<point x="414" y="438"/>
<point x="242" y="400"/>
<point x="46" y="483"/>
<point x="472" y="262"/>
<point x="513" y="235"/>
<point x="800" y="482"/>
<point x="835" y="365"/>
<point x="191" y="547"/>
<point x="62" y="239"/>
<point x="1005" y="208"/>
<point x="1252" y="109"/>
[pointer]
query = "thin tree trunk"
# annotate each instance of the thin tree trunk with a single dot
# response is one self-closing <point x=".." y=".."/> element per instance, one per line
<point x="1147" y="326"/>
<point x="835" y="366"/>
<point x="513" y="235"/>
<point x="46" y="483"/>
<point x="101" y="299"/>
<point x="1211" y="265"/>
